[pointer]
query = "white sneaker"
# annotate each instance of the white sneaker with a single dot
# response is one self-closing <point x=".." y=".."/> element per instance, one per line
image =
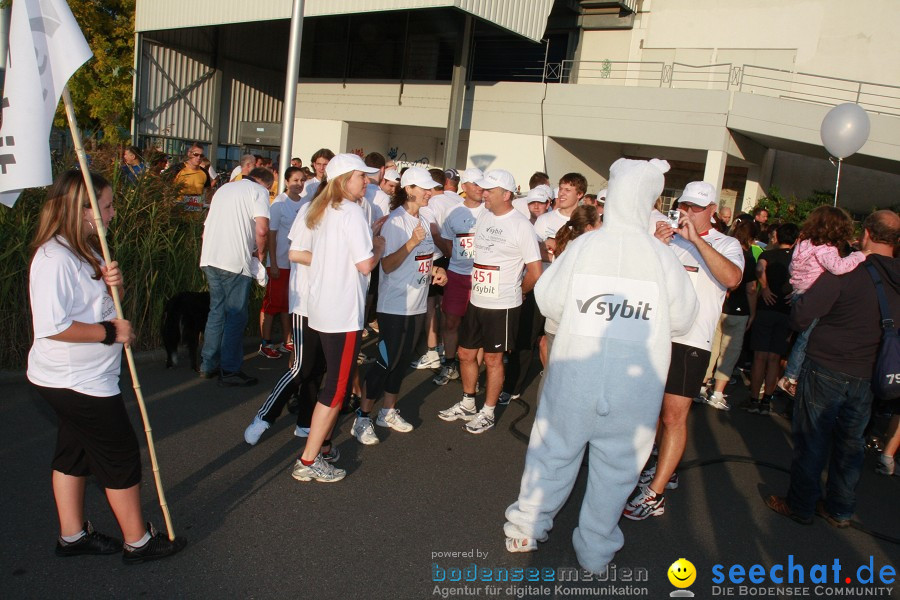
<point x="255" y="430"/>
<point x="430" y="360"/>
<point x="363" y="431"/>
<point x="457" y="411"/>
<point x="718" y="401"/>
<point x="481" y="423"/>
<point x="320" y="470"/>
<point x="447" y="373"/>
<point x="391" y="418"/>
<point x="301" y="432"/>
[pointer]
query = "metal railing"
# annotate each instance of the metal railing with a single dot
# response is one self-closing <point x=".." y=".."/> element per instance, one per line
<point x="754" y="79"/>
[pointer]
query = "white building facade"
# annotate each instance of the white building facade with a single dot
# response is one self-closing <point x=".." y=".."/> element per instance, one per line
<point x="730" y="92"/>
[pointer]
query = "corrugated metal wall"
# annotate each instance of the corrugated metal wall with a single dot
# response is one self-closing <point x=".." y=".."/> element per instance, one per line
<point x="177" y="95"/>
<point x="525" y="17"/>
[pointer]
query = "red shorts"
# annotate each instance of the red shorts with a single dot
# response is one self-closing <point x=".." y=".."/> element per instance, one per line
<point x="276" y="298"/>
<point x="456" y="294"/>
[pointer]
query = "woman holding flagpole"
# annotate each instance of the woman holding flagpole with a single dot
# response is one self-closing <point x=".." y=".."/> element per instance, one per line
<point x="74" y="364"/>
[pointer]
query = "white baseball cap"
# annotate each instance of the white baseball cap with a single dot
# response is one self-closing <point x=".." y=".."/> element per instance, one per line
<point x="539" y="193"/>
<point x="392" y="174"/>
<point x="699" y="193"/>
<point x="497" y="178"/>
<point x="418" y="176"/>
<point x="555" y="192"/>
<point x="345" y="163"/>
<point x="601" y="196"/>
<point x="470" y="175"/>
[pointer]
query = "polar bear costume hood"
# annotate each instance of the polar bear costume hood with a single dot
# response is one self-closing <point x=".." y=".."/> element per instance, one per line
<point x="619" y="295"/>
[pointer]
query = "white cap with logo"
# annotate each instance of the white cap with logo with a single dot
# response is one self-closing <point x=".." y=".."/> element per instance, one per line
<point x="345" y="163"/>
<point x="470" y="175"/>
<point x="418" y="176"/>
<point x="497" y="178"/>
<point x="540" y="193"/>
<point x="699" y="193"/>
<point x="392" y="174"/>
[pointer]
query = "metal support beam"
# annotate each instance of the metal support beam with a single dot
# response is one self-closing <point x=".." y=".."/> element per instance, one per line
<point x="290" y="90"/>
<point x="458" y="93"/>
<point x="136" y="86"/>
<point x="216" y="124"/>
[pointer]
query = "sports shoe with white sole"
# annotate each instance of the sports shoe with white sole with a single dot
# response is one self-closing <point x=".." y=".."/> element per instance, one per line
<point x="268" y="351"/>
<point x="319" y="470"/>
<point x="363" y="431"/>
<point x="480" y="423"/>
<point x="255" y="430"/>
<point x="717" y="401"/>
<point x="301" y="432"/>
<point x="447" y="373"/>
<point x="505" y="397"/>
<point x="457" y="411"/>
<point x="332" y="456"/>
<point x="647" y="476"/>
<point x="391" y="418"/>
<point x="430" y="360"/>
<point x="644" y="503"/>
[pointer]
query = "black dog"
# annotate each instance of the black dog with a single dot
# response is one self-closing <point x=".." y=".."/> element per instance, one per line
<point x="184" y="320"/>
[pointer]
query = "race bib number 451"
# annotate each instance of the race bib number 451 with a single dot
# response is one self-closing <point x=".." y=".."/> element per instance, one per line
<point x="486" y="281"/>
<point x="423" y="269"/>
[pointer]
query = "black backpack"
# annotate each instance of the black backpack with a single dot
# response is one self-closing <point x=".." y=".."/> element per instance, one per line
<point x="886" y="378"/>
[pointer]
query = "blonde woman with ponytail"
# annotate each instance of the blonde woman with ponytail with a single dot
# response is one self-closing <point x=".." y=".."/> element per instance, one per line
<point x="335" y="241"/>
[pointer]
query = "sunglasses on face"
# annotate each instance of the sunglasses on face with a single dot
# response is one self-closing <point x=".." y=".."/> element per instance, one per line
<point x="687" y="206"/>
<point x="196" y="154"/>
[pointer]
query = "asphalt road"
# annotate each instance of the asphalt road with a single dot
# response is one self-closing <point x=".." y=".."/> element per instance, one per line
<point x="407" y="505"/>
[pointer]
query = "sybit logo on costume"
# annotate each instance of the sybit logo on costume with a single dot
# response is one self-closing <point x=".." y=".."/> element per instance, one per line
<point x="613" y="307"/>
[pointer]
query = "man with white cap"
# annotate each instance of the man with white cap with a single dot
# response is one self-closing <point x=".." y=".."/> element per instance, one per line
<point x="390" y="182"/>
<point x="535" y="203"/>
<point x="458" y="232"/>
<point x="507" y="263"/>
<point x="714" y="262"/>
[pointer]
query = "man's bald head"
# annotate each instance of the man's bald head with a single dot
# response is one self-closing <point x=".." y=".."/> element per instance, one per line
<point x="881" y="231"/>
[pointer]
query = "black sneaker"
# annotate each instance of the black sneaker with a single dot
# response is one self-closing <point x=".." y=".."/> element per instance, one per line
<point x="159" y="546"/>
<point x="237" y="379"/>
<point x="93" y="542"/>
<point x="765" y="405"/>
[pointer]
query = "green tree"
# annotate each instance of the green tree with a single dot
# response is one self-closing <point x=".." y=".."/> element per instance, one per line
<point x="101" y="89"/>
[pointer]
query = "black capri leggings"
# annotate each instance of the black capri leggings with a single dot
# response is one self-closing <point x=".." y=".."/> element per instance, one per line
<point x="304" y="375"/>
<point x="397" y="336"/>
<point x="95" y="437"/>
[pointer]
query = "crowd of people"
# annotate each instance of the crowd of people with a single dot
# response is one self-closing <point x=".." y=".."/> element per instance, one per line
<point x="651" y="311"/>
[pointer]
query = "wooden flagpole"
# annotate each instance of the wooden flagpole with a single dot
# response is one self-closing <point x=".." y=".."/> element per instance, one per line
<point x="98" y="220"/>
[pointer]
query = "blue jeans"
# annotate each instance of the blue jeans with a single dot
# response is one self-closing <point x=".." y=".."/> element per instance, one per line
<point x="831" y="411"/>
<point x="223" y="344"/>
<point x="798" y="353"/>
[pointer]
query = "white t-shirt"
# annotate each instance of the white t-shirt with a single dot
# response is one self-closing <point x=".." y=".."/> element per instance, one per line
<point x="710" y="293"/>
<point x="229" y="233"/>
<point x="548" y="224"/>
<point x="503" y="246"/>
<point x="459" y="230"/>
<point x="337" y="290"/>
<point x="381" y="202"/>
<point x="404" y="291"/>
<point x="298" y="286"/>
<point x="442" y="204"/>
<point x="309" y="189"/>
<point x="521" y="205"/>
<point x="62" y="291"/>
<point x="282" y="213"/>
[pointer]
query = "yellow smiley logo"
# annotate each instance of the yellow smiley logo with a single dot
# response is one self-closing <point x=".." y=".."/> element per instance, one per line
<point x="682" y="573"/>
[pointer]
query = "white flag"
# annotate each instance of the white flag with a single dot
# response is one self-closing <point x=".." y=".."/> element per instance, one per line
<point x="46" y="47"/>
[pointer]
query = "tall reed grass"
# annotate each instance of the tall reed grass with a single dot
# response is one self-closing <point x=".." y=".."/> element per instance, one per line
<point x="156" y="244"/>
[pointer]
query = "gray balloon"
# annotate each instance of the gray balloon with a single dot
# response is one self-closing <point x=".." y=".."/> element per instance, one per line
<point x="844" y="130"/>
